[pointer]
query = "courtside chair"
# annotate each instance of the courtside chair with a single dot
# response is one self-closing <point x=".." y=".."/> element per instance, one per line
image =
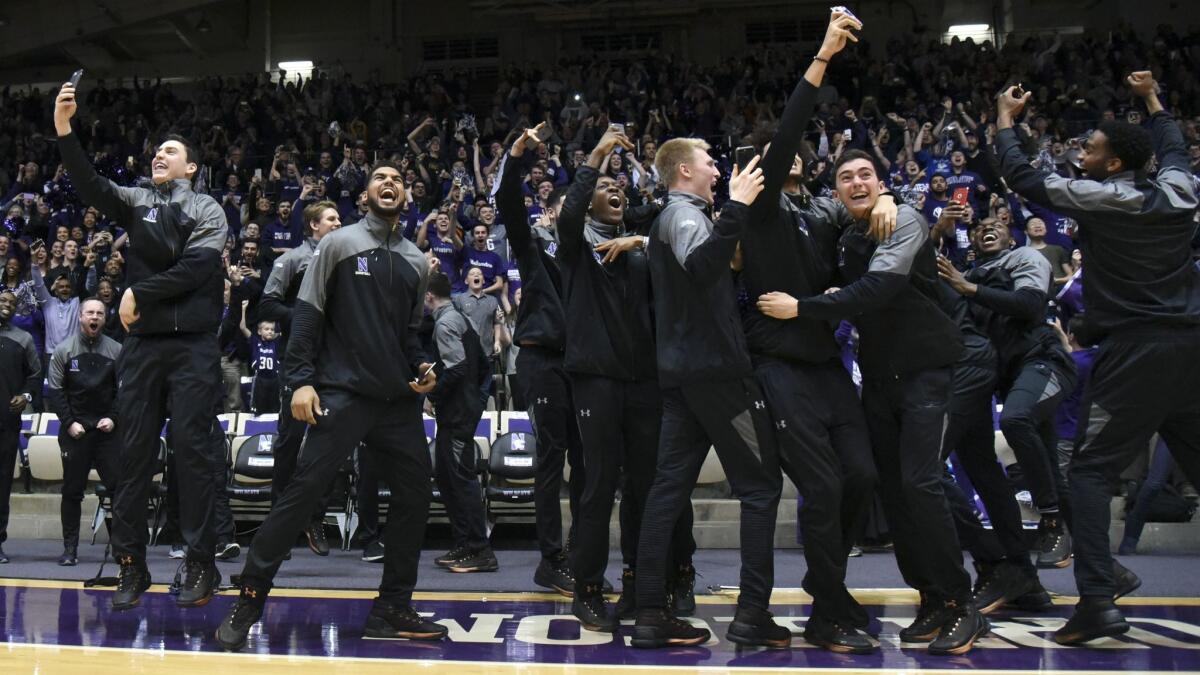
<point x="512" y="468"/>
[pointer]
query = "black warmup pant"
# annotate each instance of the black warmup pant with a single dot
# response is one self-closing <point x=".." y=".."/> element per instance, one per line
<point x="619" y="425"/>
<point x="264" y="393"/>
<point x="825" y="450"/>
<point x="393" y="431"/>
<point x="285" y="448"/>
<point x="222" y="515"/>
<point x="79" y="455"/>
<point x="1140" y="385"/>
<point x="455" y="472"/>
<point x="157" y="373"/>
<point x="545" y="387"/>
<point x="1028" y="424"/>
<point x="10" y="436"/>
<point x="906" y="417"/>
<point x="732" y="416"/>
<point x="969" y="435"/>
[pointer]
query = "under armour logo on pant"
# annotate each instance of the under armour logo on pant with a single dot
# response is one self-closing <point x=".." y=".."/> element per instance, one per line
<point x="781" y="424"/>
<point x="543" y="401"/>
<point x="759" y="405"/>
<point x="585" y="413"/>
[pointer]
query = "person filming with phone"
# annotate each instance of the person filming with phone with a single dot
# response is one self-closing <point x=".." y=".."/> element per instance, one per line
<point x="171" y="307"/>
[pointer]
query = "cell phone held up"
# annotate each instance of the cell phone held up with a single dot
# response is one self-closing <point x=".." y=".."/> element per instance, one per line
<point x="75" y="78"/>
<point x="961" y="195"/>
<point x="742" y="156"/>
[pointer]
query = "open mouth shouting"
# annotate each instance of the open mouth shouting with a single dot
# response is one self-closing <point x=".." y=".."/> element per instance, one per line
<point x="389" y="195"/>
<point x="159" y="166"/>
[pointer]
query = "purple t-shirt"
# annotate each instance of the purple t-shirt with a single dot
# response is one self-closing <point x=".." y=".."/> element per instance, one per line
<point x="488" y="261"/>
<point x="449" y="258"/>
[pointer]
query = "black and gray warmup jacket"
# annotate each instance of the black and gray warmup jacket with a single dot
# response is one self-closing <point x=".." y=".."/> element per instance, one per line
<point x="356" y="321"/>
<point x="20" y="366"/>
<point x="282" y="287"/>
<point x="82" y="380"/>
<point x="609" y="328"/>
<point x="698" y="328"/>
<point x="894" y="296"/>
<point x="173" y="255"/>
<point x="1135" y="234"/>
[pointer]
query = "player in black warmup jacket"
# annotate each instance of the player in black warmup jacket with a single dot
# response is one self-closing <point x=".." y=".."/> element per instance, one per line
<point x="541" y="334"/>
<point x="171" y="308"/>
<point x="354" y="361"/>
<point x="20" y="372"/>
<point x="710" y="397"/>
<point x="1142" y="301"/>
<point x="791" y="245"/>
<point x="909" y="346"/>
<point x="611" y="361"/>
<point x="1008" y="291"/>
<point x="82" y="391"/>
<point x="277" y="303"/>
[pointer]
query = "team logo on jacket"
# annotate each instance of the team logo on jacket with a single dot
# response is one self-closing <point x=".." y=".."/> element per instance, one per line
<point x="74" y="365"/>
<point x="151" y="215"/>
<point x="552" y="249"/>
<point x="362" y="266"/>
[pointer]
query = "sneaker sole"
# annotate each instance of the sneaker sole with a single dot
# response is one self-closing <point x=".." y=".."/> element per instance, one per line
<point x="469" y="570"/>
<point x="758" y="642"/>
<point x="838" y="648"/>
<point x="566" y="593"/>
<point x="658" y="643"/>
<point x="372" y="558"/>
<point x="1054" y="564"/>
<point x="964" y="648"/>
<point x="229" y="646"/>
<point x="1108" y="630"/>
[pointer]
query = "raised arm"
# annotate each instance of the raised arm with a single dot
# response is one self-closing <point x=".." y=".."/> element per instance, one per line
<point x="579" y="195"/>
<point x="95" y="190"/>
<point x="705" y="255"/>
<point x="510" y="201"/>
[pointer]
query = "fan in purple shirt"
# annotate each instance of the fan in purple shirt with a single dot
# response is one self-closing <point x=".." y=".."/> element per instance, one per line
<point x="488" y="262"/>
<point x="445" y="243"/>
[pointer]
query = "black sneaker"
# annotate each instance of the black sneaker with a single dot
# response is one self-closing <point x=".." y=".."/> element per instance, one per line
<point x="1037" y="599"/>
<point x="836" y="637"/>
<point x="483" y="560"/>
<point x="3" y="557"/>
<point x="997" y="585"/>
<point x="627" y="603"/>
<point x="683" y="592"/>
<point x="657" y="628"/>
<point x="1124" y="581"/>
<point x="555" y="575"/>
<point x="958" y="634"/>
<point x="228" y="552"/>
<point x="453" y="555"/>
<point x="1053" y="544"/>
<point x="388" y="621"/>
<point x="928" y="623"/>
<point x="132" y="581"/>
<point x="315" y="534"/>
<point x="373" y="551"/>
<point x="1094" y="618"/>
<point x="200" y="581"/>
<point x="246" y="612"/>
<point x="590" y="607"/>
<point x="69" y="557"/>
<point x="754" y="627"/>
